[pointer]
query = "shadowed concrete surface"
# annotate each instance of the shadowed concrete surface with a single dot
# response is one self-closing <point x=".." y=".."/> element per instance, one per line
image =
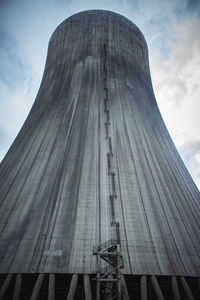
<point x="95" y="115"/>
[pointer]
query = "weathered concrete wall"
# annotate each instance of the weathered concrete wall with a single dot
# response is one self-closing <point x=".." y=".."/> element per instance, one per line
<point x="56" y="179"/>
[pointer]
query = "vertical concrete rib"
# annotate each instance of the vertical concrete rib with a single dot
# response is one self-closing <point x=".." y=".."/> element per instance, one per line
<point x="37" y="287"/>
<point x="73" y="286"/>
<point x="158" y="292"/>
<point x="87" y="287"/>
<point x="125" y="296"/>
<point x="17" y="288"/>
<point x="51" y="287"/>
<point x="175" y="290"/>
<point x="143" y="287"/>
<point x="5" y="285"/>
<point x="186" y="288"/>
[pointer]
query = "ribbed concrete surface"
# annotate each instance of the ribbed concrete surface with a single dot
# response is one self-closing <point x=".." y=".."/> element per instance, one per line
<point x="54" y="182"/>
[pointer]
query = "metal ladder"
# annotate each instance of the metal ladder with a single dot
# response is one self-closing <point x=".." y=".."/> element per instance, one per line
<point x="108" y="278"/>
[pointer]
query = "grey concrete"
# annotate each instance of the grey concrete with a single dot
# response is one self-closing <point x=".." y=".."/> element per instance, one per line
<point x="125" y="295"/>
<point x="17" y="288"/>
<point x="175" y="290"/>
<point x="186" y="289"/>
<point x="87" y="287"/>
<point x="158" y="292"/>
<point x="143" y="287"/>
<point x="37" y="287"/>
<point x="5" y="285"/>
<point x="73" y="286"/>
<point x="51" y="287"/>
<point x="54" y="182"/>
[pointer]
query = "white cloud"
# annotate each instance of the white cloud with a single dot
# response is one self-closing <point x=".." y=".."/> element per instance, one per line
<point x="191" y="153"/>
<point x="177" y="89"/>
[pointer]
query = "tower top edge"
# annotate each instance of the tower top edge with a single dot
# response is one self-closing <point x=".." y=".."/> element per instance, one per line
<point x="98" y="13"/>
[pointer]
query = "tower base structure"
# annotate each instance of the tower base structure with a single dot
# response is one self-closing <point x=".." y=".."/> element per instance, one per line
<point x="83" y="287"/>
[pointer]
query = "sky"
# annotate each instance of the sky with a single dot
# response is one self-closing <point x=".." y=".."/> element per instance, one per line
<point x="171" y="29"/>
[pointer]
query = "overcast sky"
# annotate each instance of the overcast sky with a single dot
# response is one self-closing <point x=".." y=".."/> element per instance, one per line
<point x="172" y="32"/>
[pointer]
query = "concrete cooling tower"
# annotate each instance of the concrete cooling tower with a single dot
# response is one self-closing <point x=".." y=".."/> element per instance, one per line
<point x="95" y="200"/>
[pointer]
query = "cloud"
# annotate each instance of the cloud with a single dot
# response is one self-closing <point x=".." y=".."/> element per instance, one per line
<point x="193" y="6"/>
<point x="13" y="112"/>
<point x="177" y="90"/>
<point x="176" y="80"/>
<point x="190" y="152"/>
<point x="12" y="68"/>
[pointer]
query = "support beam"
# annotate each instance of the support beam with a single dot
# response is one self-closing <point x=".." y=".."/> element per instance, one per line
<point x="175" y="290"/>
<point x="157" y="289"/>
<point x="51" y="287"/>
<point x="5" y="285"/>
<point x="118" y="274"/>
<point x="37" y="287"/>
<point x="186" y="289"/>
<point x="98" y="288"/>
<point x="72" y="289"/>
<point x="125" y="295"/>
<point x="17" y="288"/>
<point x="143" y="287"/>
<point x="87" y="287"/>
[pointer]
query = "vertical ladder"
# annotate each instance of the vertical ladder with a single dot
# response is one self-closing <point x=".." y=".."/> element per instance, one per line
<point x="108" y="278"/>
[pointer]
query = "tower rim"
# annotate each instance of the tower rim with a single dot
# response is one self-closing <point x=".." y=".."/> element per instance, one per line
<point x="99" y="11"/>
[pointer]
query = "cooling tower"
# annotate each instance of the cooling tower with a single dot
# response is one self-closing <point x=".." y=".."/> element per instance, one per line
<point x="96" y="202"/>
